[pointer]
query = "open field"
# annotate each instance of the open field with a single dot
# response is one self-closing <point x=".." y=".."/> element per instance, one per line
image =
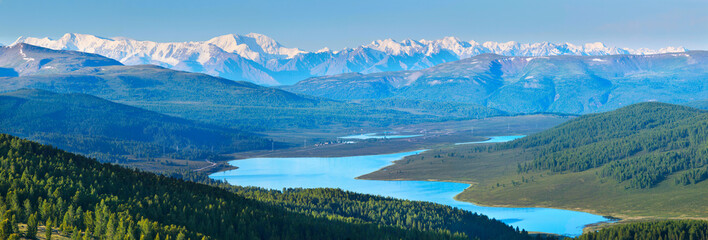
<point x="496" y="182"/>
<point x="435" y="135"/>
<point x="41" y="232"/>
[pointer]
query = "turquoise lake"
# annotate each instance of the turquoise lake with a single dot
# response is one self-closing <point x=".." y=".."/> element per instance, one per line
<point x="376" y="136"/>
<point x="495" y="139"/>
<point x="340" y="172"/>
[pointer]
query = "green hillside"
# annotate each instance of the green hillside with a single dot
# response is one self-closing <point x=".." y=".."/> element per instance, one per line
<point x="79" y="197"/>
<point x="672" y="229"/>
<point x="639" y="146"/>
<point x="339" y="204"/>
<point x="646" y="160"/>
<point x="209" y="99"/>
<point x="96" y="127"/>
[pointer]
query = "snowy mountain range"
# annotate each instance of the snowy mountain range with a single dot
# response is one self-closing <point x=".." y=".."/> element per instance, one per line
<point x="262" y="60"/>
<point x="561" y="84"/>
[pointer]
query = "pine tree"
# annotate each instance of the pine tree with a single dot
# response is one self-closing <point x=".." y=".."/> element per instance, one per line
<point x="87" y="234"/>
<point x="28" y="209"/>
<point x="32" y="227"/>
<point x="181" y="236"/>
<point x="13" y="224"/>
<point x="76" y="235"/>
<point x="5" y="229"/>
<point x="48" y="229"/>
<point x="66" y="223"/>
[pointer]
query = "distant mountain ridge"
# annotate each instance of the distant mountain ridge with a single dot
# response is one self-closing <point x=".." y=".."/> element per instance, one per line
<point x="200" y="97"/>
<point x="562" y="84"/>
<point x="25" y="60"/>
<point x="260" y="59"/>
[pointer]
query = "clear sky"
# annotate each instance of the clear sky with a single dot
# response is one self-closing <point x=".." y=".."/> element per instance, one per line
<point x="311" y="25"/>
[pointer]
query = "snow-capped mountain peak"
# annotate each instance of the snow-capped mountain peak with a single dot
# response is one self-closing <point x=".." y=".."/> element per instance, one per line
<point x="390" y="46"/>
<point x="254" y="46"/>
<point x="260" y="59"/>
<point x="324" y="49"/>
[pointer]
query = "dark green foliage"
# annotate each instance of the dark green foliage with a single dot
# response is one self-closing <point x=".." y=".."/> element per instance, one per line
<point x="363" y="208"/>
<point x="641" y="144"/>
<point x="48" y="229"/>
<point x="96" y="127"/>
<point x="667" y="229"/>
<point x="692" y="176"/>
<point x="647" y="170"/>
<point x="32" y="223"/>
<point x="338" y="204"/>
<point x="5" y="229"/>
<point x="72" y="193"/>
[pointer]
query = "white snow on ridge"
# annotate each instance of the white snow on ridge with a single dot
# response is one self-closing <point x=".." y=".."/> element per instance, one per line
<point x="260" y="59"/>
<point x="24" y="56"/>
<point x="646" y="51"/>
<point x="252" y="46"/>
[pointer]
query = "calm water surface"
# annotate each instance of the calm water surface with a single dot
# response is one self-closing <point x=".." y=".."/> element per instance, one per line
<point x="495" y="139"/>
<point x="340" y="172"/>
<point x="377" y="136"/>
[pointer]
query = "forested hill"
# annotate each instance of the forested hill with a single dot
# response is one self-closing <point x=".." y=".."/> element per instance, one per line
<point x="81" y="197"/>
<point x="199" y="97"/>
<point x="640" y="145"/>
<point x="100" y="128"/>
<point x="666" y="229"/>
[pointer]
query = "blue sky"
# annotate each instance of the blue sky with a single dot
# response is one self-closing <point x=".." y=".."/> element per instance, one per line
<point x="311" y="25"/>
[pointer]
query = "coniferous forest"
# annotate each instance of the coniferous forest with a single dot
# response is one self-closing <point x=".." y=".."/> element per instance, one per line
<point x="640" y="145"/>
<point x="667" y="229"/>
<point x="423" y="120"/>
<point x="81" y="198"/>
<point x="85" y="199"/>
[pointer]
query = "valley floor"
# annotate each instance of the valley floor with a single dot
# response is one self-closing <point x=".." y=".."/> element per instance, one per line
<point x="435" y="135"/>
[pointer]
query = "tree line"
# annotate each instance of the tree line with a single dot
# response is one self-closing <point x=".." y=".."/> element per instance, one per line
<point x="642" y="145"/>
<point x="81" y="198"/>
<point x="664" y="230"/>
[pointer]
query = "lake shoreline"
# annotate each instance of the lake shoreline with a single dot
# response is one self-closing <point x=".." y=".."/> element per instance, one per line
<point x="523" y="216"/>
<point x="612" y="220"/>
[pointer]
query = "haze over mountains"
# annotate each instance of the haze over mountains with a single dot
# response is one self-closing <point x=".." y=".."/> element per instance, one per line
<point x="262" y="60"/>
<point x="201" y="97"/>
<point x="564" y="84"/>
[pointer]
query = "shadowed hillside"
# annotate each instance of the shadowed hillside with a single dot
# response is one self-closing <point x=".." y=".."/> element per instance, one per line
<point x="100" y="128"/>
